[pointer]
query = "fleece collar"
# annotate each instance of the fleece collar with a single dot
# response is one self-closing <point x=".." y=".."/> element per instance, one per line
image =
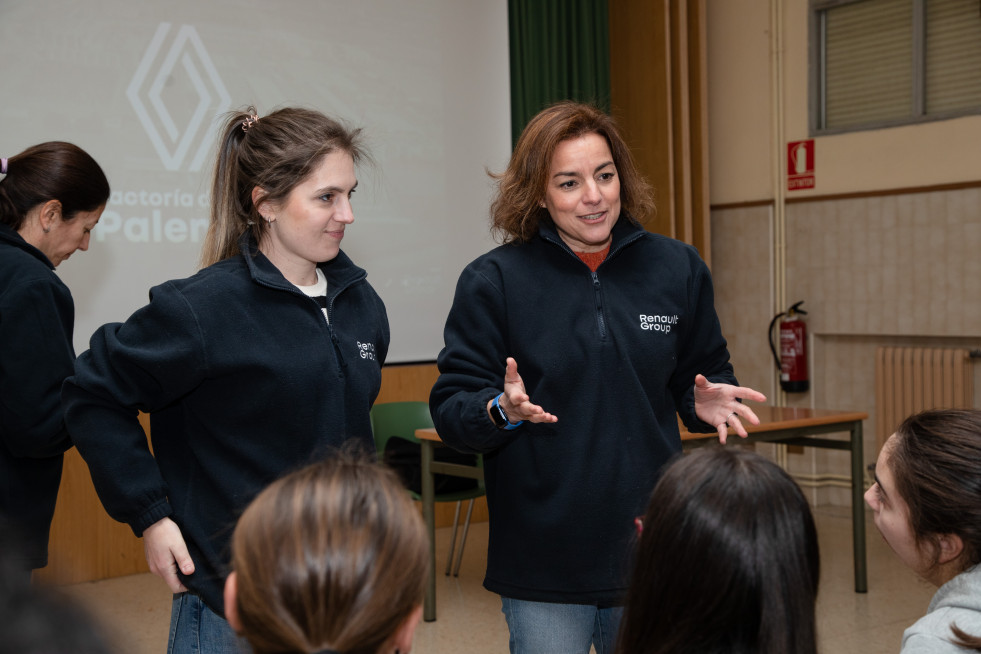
<point x="8" y="235"/>
<point x="625" y="232"/>
<point x="339" y="271"/>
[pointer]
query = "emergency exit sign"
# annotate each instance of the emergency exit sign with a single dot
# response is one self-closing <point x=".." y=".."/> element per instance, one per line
<point x="800" y="165"/>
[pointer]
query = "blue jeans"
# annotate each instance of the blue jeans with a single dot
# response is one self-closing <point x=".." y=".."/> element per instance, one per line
<point x="546" y="628"/>
<point x="196" y="629"/>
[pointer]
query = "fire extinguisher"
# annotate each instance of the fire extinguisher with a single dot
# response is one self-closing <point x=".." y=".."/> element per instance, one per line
<point x="792" y="360"/>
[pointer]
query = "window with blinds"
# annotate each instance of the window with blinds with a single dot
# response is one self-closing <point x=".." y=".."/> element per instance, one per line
<point x="892" y="62"/>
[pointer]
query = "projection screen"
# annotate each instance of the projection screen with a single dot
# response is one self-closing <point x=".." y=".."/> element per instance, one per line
<point x="142" y="86"/>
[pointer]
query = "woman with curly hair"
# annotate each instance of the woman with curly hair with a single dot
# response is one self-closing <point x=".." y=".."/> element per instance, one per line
<point x="615" y="332"/>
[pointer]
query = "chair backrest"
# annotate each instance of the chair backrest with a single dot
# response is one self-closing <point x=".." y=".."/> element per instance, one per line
<point x="398" y="419"/>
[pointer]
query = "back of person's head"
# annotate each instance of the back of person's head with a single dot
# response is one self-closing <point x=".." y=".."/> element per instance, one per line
<point x="40" y="620"/>
<point x="333" y="556"/>
<point x="727" y="561"/>
<point x="517" y="210"/>
<point x="51" y="171"/>
<point x="274" y="153"/>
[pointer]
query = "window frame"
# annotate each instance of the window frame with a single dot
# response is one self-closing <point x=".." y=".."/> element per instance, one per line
<point x="817" y="80"/>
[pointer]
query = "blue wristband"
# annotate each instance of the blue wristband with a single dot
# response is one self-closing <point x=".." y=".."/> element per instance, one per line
<point x="501" y="418"/>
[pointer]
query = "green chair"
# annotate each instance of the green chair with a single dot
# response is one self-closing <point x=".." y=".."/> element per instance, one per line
<point x="402" y="419"/>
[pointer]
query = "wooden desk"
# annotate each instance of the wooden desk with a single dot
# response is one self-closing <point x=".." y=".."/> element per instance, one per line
<point x="777" y="425"/>
<point x="430" y="467"/>
<point x="798" y="427"/>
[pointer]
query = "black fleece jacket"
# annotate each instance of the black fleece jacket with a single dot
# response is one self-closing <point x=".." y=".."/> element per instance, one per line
<point x="244" y="381"/>
<point x="37" y="316"/>
<point x="613" y="354"/>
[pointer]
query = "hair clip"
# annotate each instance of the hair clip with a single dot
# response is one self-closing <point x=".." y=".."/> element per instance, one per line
<point x="249" y="122"/>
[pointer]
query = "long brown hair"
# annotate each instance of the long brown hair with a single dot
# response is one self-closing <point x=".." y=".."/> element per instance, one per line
<point x="332" y="556"/>
<point x="516" y="209"/>
<point x="727" y="561"/>
<point x="936" y="465"/>
<point x="54" y="170"/>
<point x="275" y="153"/>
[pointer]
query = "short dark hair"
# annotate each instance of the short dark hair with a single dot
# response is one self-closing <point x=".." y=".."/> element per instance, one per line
<point x="54" y="170"/>
<point x="516" y="210"/>
<point x="728" y="560"/>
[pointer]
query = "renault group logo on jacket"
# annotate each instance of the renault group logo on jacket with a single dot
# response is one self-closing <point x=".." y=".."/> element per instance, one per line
<point x="187" y="59"/>
<point x="658" y="323"/>
<point x="366" y="351"/>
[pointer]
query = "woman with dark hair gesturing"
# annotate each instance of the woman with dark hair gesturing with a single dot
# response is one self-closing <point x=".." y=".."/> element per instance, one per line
<point x="51" y="197"/>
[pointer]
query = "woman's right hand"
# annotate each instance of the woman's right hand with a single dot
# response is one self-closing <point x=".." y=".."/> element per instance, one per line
<point x="515" y="401"/>
<point x="166" y="551"/>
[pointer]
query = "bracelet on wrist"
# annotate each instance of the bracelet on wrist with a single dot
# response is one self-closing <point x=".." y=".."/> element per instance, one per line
<point x="501" y="419"/>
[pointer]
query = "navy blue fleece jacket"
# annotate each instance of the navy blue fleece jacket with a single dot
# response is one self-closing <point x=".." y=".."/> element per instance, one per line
<point x="37" y="316"/>
<point x="244" y="380"/>
<point x="613" y="354"/>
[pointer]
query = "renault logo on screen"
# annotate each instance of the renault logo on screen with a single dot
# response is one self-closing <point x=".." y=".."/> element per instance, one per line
<point x="176" y="92"/>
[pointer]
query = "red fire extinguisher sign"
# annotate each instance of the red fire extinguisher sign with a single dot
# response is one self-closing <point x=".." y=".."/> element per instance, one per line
<point x="800" y="165"/>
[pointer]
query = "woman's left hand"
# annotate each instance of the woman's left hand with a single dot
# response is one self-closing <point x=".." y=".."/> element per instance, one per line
<point x="717" y="405"/>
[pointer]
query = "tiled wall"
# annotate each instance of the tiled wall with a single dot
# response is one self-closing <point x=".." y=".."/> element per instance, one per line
<point x="742" y="265"/>
<point x="903" y="264"/>
<point x="901" y="269"/>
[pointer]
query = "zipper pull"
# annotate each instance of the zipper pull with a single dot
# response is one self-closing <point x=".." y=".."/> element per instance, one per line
<point x="337" y="348"/>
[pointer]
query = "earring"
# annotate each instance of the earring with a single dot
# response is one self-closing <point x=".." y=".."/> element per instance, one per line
<point x="46" y="229"/>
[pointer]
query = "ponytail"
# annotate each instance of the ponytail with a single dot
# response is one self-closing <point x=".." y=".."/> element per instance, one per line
<point x="231" y="213"/>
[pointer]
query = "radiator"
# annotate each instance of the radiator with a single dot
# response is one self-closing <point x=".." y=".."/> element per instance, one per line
<point x="912" y="379"/>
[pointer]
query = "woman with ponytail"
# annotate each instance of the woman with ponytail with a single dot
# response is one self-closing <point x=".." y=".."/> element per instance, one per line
<point x="264" y="360"/>
<point x="926" y="501"/>
<point x="51" y="196"/>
